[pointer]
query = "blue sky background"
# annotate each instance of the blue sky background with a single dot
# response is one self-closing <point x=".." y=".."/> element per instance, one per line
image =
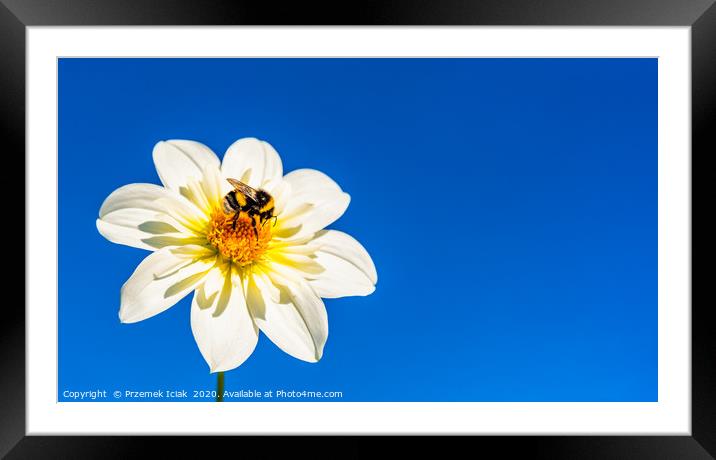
<point x="510" y="206"/>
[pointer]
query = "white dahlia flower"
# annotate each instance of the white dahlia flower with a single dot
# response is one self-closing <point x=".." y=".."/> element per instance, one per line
<point x="246" y="275"/>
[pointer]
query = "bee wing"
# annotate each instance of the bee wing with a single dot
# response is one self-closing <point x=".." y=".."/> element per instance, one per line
<point x="244" y="189"/>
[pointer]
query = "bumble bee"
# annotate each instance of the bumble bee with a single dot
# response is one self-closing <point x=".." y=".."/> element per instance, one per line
<point x="257" y="204"/>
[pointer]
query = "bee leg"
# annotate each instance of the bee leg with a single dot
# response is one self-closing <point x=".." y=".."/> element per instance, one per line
<point x="233" y="223"/>
<point x="271" y="218"/>
<point x="253" y="225"/>
<point x="274" y="218"/>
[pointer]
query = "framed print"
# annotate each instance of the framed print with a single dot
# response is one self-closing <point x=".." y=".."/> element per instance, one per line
<point x="464" y="219"/>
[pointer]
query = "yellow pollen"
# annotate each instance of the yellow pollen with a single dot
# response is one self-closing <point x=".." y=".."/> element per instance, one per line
<point x="238" y="242"/>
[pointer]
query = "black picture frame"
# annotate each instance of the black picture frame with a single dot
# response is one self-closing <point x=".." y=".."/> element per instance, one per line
<point x="16" y="15"/>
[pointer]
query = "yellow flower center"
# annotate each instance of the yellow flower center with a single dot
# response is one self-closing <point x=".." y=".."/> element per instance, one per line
<point x="236" y="239"/>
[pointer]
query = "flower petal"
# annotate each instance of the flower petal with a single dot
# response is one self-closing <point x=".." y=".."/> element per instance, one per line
<point x="252" y="161"/>
<point x="162" y="279"/>
<point x="308" y="185"/>
<point x="137" y="215"/>
<point x="312" y="217"/>
<point x="214" y="186"/>
<point x="316" y="201"/>
<point x="205" y="296"/>
<point x="297" y="323"/>
<point x="186" y="214"/>
<point x="228" y="339"/>
<point x="306" y="264"/>
<point x="349" y="270"/>
<point x="180" y="162"/>
<point x="133" y="196"/>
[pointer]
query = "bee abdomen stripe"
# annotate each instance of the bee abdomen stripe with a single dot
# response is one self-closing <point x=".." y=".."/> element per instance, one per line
<point x="241" y="199"/>
<point x="230" y="202"/>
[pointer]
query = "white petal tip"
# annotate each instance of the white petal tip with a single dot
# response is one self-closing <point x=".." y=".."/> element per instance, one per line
<point x="214" y="368"/>
<point x="245" y="140"/>
<point x="127" y="319"/>
<point x="372" y="273"/>
<point x="317" y="357"/>
<point x="123" y="318"/>
<point x="159" y="145"/>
